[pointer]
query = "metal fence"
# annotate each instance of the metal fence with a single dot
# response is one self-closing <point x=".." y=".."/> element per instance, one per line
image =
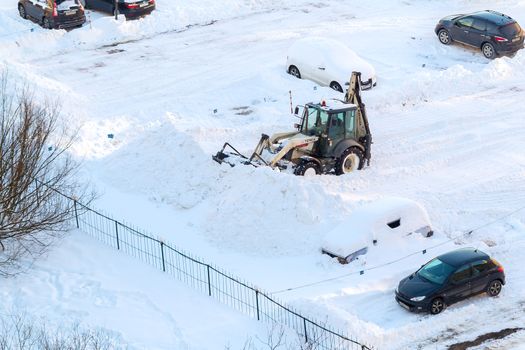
<point x="209" y="279"/>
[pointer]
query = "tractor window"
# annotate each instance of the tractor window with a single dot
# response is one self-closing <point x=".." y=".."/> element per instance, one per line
<point x="316" y="121"/>
<point x="336" y="130"/>
<point x="350" y="124"/>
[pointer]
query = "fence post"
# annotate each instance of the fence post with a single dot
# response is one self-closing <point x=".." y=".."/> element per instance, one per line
<point x="162" y="253"/>
<point x="76" y="213"/>
<point x="116" y="232"/>
<point x="209" y="280"/>
<point x="257" y="304"/>
<point x="305" y="334"/>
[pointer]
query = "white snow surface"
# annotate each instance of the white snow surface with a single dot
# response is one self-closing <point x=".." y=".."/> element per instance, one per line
<point x="174" y="86"/>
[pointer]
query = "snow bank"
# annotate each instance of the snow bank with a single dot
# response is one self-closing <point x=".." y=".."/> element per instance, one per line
<point x="103" y="30"/>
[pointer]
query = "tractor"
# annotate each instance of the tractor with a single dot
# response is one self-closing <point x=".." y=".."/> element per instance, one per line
<point x="331" y="138"/>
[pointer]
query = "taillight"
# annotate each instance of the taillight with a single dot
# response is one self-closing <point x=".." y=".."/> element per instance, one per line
<point x="500" y="39"/>
<point x="55" y="11"/>
<point x="151" y="1"/>
<point x="132" y="6"/>
<point x="500" y="268"/>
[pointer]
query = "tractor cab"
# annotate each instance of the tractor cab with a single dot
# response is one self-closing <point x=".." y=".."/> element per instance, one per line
<point x="331" y="123"/>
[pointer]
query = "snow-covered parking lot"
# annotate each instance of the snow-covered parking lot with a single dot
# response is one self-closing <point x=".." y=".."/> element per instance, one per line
<point x="171" y="88"/>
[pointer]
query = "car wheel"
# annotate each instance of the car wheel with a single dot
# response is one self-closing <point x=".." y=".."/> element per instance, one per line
<point x="437" y="306"/>
<point x="46" y="23"/>
<point x="293" y="70"/>
<point x="351" y="160"/>
<point x="494" y="288"/>
<point x="488" y="50"/>
<point x="307" y="169"/>
<point x="444" y="37"/>
<point x="335" y="85"/>
<point x="22" y="11"/>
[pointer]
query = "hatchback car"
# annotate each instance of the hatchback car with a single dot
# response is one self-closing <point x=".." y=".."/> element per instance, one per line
<point x="449" y="278"/>
<point x="492" y="32"/>
<point x="129" y="8"/>
<point x="328" y="63"/>
<point x="53" y="14"/>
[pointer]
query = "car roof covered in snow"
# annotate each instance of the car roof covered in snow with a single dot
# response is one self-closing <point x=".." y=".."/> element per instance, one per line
<point x="462" y="256"/>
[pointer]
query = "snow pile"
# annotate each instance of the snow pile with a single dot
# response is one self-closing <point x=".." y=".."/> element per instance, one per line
<point x="103" y="30"/>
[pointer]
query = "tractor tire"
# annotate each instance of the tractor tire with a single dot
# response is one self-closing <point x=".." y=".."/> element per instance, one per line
<point x="350" y="160"/>
<point x="307" y="169"/>
<point x="335" y="85"/>
<point x="46" y="23"/>
<point x="22" y="11"/>
<point x="293" y="70"/>
<point x="444" y="37"/>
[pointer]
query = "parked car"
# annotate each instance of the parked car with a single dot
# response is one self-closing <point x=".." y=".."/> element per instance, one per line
<point x="129" y="8"/>
<point x="492" y="32"/>
<point x="53" y="14"/>
<point x="383" y="226"/>
<point x="449" y="278"/>
<point x="328" y="63"/>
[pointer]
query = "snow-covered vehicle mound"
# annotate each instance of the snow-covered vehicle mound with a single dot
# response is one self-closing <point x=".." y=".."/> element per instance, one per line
<point x="384" y="224"/>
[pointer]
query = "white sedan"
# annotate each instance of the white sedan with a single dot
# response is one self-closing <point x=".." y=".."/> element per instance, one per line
<point x="328" y="62"/>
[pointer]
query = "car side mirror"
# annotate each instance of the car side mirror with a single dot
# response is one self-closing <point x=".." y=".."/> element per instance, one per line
<point x="296" y="111"/>
<point x="297" y="126"/>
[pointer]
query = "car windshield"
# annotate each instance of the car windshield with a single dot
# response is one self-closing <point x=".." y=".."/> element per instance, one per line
<point x="315" y="122"/>
<point x="510" y="30"/>
<point x="436" y="271"/>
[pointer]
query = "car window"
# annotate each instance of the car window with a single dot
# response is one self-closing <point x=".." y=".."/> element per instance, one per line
<point x="436" y="271"/>
<point x="461" y="274"/>
<point x="480" y="267"/>
<point x="480" y="25"/>
<point x="466" y="22"/>
<point x="510" y="30"/>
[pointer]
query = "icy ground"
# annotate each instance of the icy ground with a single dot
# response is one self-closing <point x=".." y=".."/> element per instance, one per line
<point x="448" y="132"/>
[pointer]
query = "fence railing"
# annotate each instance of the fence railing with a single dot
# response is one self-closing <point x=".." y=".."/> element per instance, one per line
<point x="209" y="279"/>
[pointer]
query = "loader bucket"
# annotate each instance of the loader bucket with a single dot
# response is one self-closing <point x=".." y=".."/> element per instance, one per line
<point x="231" y="158"/>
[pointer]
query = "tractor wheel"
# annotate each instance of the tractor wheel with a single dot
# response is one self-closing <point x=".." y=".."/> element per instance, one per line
<point x="307" y="169"/>
<point x="22" y="11"/>
<point x="293" y="70"/>
<point x="46" y="23"/>
<point x="350" y="160"/>
<point x="335" y="85"/>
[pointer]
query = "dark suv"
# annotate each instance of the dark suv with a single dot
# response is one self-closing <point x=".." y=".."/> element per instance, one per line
<point x="449" y="278"/>
<point x="53" y="14"/>
<point x="129" y="8"/>
<point x="492" y="32"/>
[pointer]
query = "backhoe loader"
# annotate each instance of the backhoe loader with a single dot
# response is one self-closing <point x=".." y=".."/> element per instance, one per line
<point x="333" y="137"/>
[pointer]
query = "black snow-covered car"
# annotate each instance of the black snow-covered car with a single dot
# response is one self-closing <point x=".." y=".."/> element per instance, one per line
<point x="492" y="32"/>
<point x="129" y="8"/>
<point x="449" y="278"/>
<point x="53" y="14"/>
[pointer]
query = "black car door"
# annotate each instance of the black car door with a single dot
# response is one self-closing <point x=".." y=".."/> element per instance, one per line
<point x="461" y="29"/>
<point x="478" y="32"/>
<point x="480" y="276"/>
<point x="459" y="283"/>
